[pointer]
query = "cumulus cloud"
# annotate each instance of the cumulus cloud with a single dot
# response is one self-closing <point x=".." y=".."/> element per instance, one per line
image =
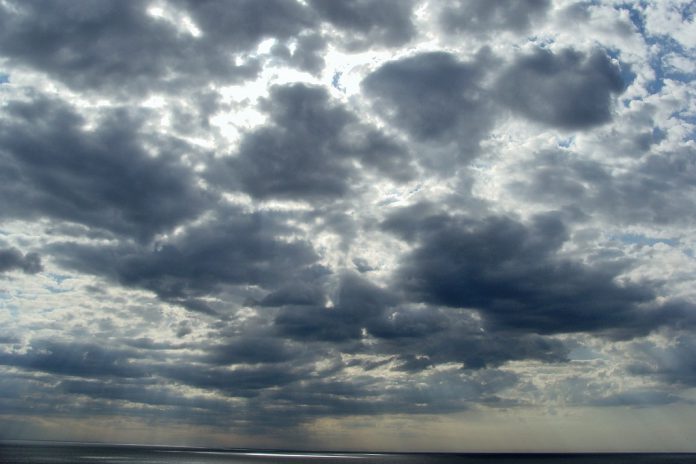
<point x="12" y="259"/>
<point x="512" y="274"/>
<point x="103" y="178"/>
<point x="369" y="22"/>
<point x="568" y="89"/>
<point x="434" y="97"/>
<point x="480" y="17"/>
<point x="235" y="249"/>
<point x="310" y="148"/>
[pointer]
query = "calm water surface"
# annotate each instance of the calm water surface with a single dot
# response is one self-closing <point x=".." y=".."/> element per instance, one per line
<point x="11" y="453"/>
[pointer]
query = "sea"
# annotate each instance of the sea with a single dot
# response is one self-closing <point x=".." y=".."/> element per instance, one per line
<point x="54" y="453"/>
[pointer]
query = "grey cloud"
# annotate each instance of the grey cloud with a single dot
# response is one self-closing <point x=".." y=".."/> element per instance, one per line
<point x="102" y="178"/>
<point x="235" y="248"/>
<point x="118" y="46"/>
<point x="309" y="148"/>
<point x="295" y="293"/>
<point x="139" y="393"/>
<point x="253" y="349"/>
<point x="75" y="359"/>
<point x="659" y="189"/>
<point x="367" y="395"/>
<point x="472" y="349"/>
<point x="357" y="304"/>
<point x="434" y="97"/>
<point x="673" y="362"/>
<point x="145" y="343"/>
<point x="369" y="22"/>
<point x="416" y="336"/>
<point x="244" y="382"/>
<point x="511" y="273"/>
<point x="637" y="398"/>
<point x="12" y="259"/>
<point x="307" y="53"/>
<point x="483" y="17"/>
<point x="245" y="23"/>
<point x="568" y="89"/>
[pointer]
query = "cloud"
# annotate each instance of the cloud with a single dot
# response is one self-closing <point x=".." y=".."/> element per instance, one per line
<point x="121" y="47"/>
<point x="308" y="53"/>
<point x="568" y="89"/>
<point x="235" y="248"/>
<point x="12" y="259"/>
<point x="103" y="178"/>
<point x="293" y="223"/>
<point x="481" y="17"/>
<point x="369" y="22"/>
<point x="658" y="189"/>
<point x="75" y="359"/>
<point x="671" y="361"/>
<point x="434" y="97"/>
<point x="513" y="275"/>
<point x="372" y="320"/>
<point x="358" y="304"/>
<point x="309" y="149"/>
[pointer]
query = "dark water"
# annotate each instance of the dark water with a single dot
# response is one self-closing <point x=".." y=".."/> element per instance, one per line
<point x="11" y="453"/>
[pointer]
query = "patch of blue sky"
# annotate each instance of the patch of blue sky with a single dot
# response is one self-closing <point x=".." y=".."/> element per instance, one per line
<point x="4" y="78"/>
<point x="58" y="278"/>
<point x="566" y="142"/>
<point x="687" y="11"/>
<point x="664" y="46"/>
<point x="583" y="353"/>
<point x="57" y="290"/>
<point x="336" y="82"/>
<point x="639" y="239"/>
<point x="7" y="304"/>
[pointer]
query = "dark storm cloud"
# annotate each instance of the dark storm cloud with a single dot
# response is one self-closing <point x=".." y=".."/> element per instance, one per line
<point x="568" y="89"/>
<point x="235" y="248"/>
<point x="104" y="178"/>
<point x="484" y="17"/>
<point x="369" y="22"/>
<point x="434" y="97"/>
<point x="12" y="259"/>
<point x="657" y="190"/>
<point x="74" y="359"/>
<point x="511" y="273"/>
<point x="309" y="149"/>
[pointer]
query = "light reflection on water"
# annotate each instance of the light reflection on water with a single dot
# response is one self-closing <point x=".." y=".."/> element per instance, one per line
<point x="112" y="454"/>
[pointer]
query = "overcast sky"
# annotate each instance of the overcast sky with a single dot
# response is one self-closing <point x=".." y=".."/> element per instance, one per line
<point x="364" y="224"/>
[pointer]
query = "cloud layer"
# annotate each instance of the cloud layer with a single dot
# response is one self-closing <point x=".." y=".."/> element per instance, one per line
<point x="260" y="219"/>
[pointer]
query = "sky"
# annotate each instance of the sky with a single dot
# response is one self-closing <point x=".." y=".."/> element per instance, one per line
<point x="361" y="224"/>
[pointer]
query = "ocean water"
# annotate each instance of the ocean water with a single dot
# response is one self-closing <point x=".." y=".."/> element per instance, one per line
<point x="23" y="453"/>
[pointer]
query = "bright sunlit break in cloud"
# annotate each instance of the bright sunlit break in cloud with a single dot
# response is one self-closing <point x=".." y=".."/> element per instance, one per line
<point x="349" y="224"/>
